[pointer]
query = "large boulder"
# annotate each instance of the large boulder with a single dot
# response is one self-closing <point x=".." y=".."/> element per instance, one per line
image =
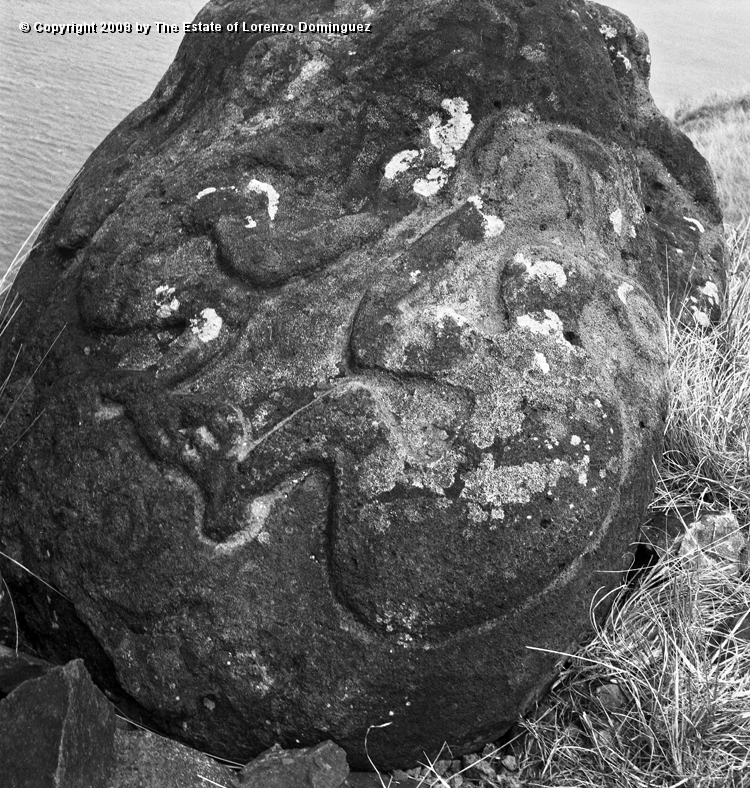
<point x="340" y="371"/>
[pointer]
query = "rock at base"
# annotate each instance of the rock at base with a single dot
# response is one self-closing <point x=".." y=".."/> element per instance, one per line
<point x="57" y="731"/>
<point x="146" y="760"/>
<point x="16" y="667"/>
<point x="323" y="766"/>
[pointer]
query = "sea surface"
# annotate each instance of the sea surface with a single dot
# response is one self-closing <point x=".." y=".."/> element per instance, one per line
<point x="61" y="95"/>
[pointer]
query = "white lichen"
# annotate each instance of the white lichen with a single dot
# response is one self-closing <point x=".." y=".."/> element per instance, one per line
<point x="623" y="290"/>
<point x="206" y="438"/>
<point x="265" y="188"/>
<point x="583" y="476"/>
<point x="493" y="225"/>
<point x="551" y="326"/>
<point x="710" y="291"/>
<point x="608" y="31"/>
<point x="209" y="190"/>
<point x="432" y="184"/>
<point x="250" y="222"/>
<point x="575" y="440"/>
<point x="700" y="317"/>
<point x="450" y="136"/>
<point x="546" y="269"/>
<point x="616" y="219"/>
<point x="537" y="55"/>
<point x="541" y="362"/>
<point x="447" y="138"/>
<point x="497" y="486"/>
<point x="308" y="71"/>
<point x="625" y="60"/>
<point x="165" y="303"/>
<point x="207" y="327"/>
<point x="108" y="412"/>
<point x="695" y="223"/>
<point x="400" y="163"/>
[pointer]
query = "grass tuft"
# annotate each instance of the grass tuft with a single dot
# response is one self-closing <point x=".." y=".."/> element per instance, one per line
<point x="707" y="437"/>
<point x="661" y="695"/>
<point x="720" y="129"/>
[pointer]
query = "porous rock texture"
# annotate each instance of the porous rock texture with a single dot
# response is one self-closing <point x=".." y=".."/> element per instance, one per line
<point x="355" y="370"/>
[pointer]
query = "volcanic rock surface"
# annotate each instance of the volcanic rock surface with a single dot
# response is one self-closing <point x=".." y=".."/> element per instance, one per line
<point x="340" y="371"/>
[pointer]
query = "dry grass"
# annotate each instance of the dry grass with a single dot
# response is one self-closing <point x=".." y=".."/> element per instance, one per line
<point x="720" y="129"/>
<point x="661" y="696"/>
<point x="707" y="438"/>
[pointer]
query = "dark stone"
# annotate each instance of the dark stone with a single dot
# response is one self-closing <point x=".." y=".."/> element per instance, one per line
<point x="145" y="760"/>
<point x="57" y="731"/>
<point x="322" y="766"/>
<point x="303" y="468"/>
<point x="17" y="667"/>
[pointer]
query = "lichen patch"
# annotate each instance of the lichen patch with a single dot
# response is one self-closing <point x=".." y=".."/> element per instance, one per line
<point x="695" y="224"/>
<point x="710" y="291"/>
<point x="700" y="317"/>
<point x="493" y="225"/>
<point x="109" y="412"/>
<point x="623" y="290"/>
<point x="166" y="304"/>
<point x="259" y="187"/>
<point x="541" y="362"/>
<point x="543" y="269"/>
<point x="311" y="69"/>
<point x="534" y="55"/>
<point x="626" y="61"/>
<point x="432" y="184"/>
<point x="551" y="327"/>
<point x="450" y="136"/>
<point x="207" y="327"/>
<point x="401" y="162"/>
<point x="616" y="219"/>
<point x="505" y="484"/>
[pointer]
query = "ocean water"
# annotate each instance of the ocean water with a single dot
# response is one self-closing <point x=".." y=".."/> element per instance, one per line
<point x="61" y="95"/>
<point x="698" y="47"/>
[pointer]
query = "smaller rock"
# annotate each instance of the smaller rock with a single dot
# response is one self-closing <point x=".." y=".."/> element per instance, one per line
<point x="15" y="668"/>
<point x="146" y="760"/>
<point x="718" y="538"/>
<point x="442" y="767"/>
<point x="322" y="766"/>
<point x="476" y="768"/>
<point x="611" y="697"/>
<point x="57" y="731"/>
